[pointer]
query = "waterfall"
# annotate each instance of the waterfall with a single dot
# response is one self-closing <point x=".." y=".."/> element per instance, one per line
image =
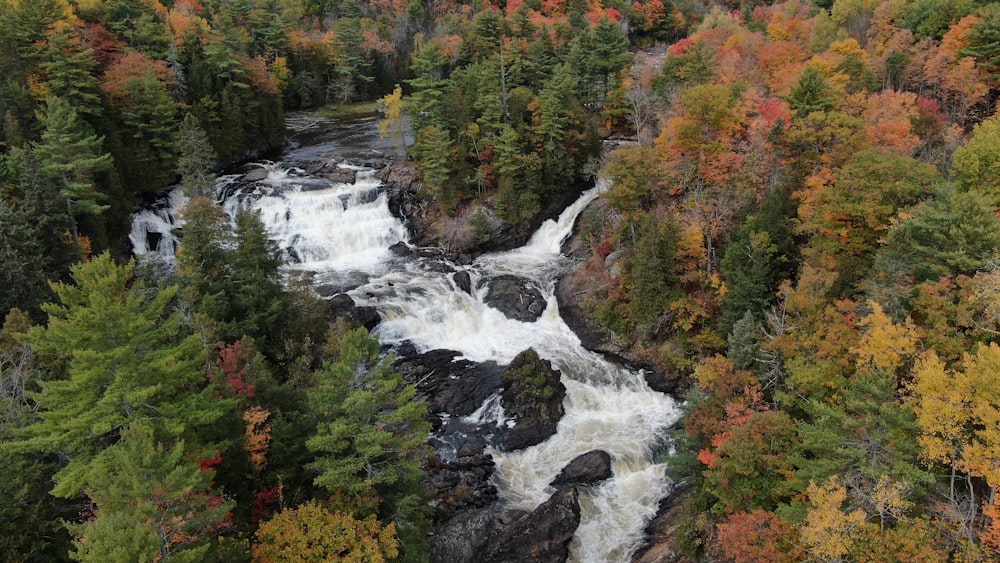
<point x="329" y="228"/>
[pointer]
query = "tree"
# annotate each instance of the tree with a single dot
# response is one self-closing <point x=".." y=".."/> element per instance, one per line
<point x="760" y="257"/>
<point x="196" y="160"/>
<point x="312" y="533"/>
<point x="811" y="93"/>
<point x="976" y="165"/>
<point x="392" y="124"/>
<point x="955" y="233"/>
<point x="35" y="245"/>
<point x="829" y="532"/>
<point x="152" y="503"/>
<point x="127" y="360"/>
<point x="369" y="441"/>
<point x="69" y="154"/>
<point x="750" y="537"/>
<point x="433" y="152"/>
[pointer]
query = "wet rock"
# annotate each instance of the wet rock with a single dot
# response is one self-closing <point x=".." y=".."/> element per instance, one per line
<point x="463" y="281"/>
<point x="401" y="249"/>
<point x="254" y="175"/>
<point x="532" y="396"/>
<point x="660" y="532"/>
<point x="540" y="537"/>
<point x="462" y="484"/>
<point x="329" y="170"/>
<point x="516" y="298"/>
<point x="342" y="306"/>
<point x="586" y="469"/>
<point x="456" y="387"/>
<point x="459" y="539"/>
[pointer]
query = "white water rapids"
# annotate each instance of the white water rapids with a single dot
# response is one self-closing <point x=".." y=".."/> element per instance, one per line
<point x="342" y="232"/>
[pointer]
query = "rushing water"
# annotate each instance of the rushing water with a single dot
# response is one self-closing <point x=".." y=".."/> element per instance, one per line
<point x="340" y="234"/>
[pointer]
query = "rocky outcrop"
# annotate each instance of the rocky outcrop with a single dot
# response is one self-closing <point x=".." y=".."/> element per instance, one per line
<point x="329" y="170"/>
<point x="456" y="387"/>
<point x="542" y="536"/>
<point x="463" y="281"/>
<point x="459" y="540"/>
<point x="462" y="485"/>
<point x="487" y="535"/>
<point x="515" y="297"/>
<point x="571" y="291"/>
<point x="590" y="468"/>
<point x="660" y="532"/>
<point x="342" y="306"/>
<point x="532" y="396"/>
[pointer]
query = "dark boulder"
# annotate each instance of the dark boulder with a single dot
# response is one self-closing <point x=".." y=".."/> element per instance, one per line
<point x="459" y="540"/>
<point x="532" y="395"/>
<point x="456" y="387"/>
<point x="542" y="536"/>
<point x="586" y="469"/>
<point x="463" y="281"/>
<point x="461" y="485"/>
<point x="342" y="306"/>
<point x="516" y="298"/>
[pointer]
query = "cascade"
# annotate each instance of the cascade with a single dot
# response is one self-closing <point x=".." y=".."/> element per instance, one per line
<point x="337" y="231"/>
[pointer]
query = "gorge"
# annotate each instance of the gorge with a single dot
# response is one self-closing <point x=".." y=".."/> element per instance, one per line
<point x="338" y="235"/>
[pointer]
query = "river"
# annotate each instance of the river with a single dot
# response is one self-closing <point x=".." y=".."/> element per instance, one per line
<point x="339" y="235"/>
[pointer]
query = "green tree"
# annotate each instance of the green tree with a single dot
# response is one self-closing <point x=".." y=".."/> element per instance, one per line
<point x="68" y="70"/>
<point x="652" y="275"/>
<point x="429" y="66"/>
<point x="811" y="93"/>
<point x="984" y="41"/>
<point x="70" y="155"/>
<point x="976" y="164"/>
<point x="955" y="233"/>
<point x="758" y="259"/>
<point x="35" y="244"/>
<point x="369" y="443"/>
<point x="432" y="152"/>
<point x="152" y="503"/>
<point x="127" y="360"/>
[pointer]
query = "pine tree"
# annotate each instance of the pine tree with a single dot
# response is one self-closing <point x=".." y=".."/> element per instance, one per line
<point x="152" y="502"/>
<point x="127" y="360"/>
<point x="70" y="155"/>
<point x="811" y="93"/>
<point x="196" y="160"/>
<point x="370" y="439"/>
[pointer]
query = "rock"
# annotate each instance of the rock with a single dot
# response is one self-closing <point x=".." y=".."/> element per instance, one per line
<point x="463" y="484"/>
<point x="540" y="537"/>
<point x="532" y="396"/>
<point x="255" y="175"/>
<point x="659" y="533"/>
<point x="463" y="281"/>
<point x="515" y="298"/>
<point x="449" y="386"/>
<point x="586" y="469"/>
<point x="459" y="539"/>
<point x="401" y="249"/>
<point x="342" y="306"/>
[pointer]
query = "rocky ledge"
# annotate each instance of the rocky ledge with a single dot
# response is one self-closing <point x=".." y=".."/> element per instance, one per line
<point x="515" y="297"/>
<point x="586" y="469"/>
<point x="487" y="535"/>
<point x="532" y="396"/>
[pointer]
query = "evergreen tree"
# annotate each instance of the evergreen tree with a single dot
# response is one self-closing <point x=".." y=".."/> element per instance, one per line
<point x="196" y="160"/>
<point x="68" y="69"/>
<point x="127" y="360"/>
<point x="153" y="502"/>
<point x="69" y="154"/>
<point x="370" y="440"/>
<point x="811" y="93"/>
<point x="757" y="260"/>
<point x="35" y="244"/>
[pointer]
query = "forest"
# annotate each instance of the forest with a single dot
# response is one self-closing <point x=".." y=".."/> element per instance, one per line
<point x="802" y="230"/>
